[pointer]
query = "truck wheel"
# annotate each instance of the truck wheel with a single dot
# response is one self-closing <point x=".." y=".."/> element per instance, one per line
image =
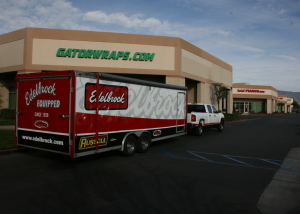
<point x="198" y="130"/>
<point x="221" y="126"/>
<point x="143" y="143"/>
<point x="129" y="146"/>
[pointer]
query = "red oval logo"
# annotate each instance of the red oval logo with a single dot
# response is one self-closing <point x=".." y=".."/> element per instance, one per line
<point x="156" y="133"/>
<point x="41" y="124"/>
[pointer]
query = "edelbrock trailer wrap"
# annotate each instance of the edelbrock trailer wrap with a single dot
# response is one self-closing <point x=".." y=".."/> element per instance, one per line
<point x="69" y="113"/>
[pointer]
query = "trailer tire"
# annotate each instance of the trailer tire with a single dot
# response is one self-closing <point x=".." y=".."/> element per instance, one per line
<point x="198" y="130"/>
<point x="143" y="143"/>
<point x="129" y="146"/>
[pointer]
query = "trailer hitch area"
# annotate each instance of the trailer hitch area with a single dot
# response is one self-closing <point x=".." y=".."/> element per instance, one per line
<point x="64" y="116"/>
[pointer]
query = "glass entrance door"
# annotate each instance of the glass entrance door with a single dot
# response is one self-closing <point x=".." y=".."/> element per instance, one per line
<point x="246" y="107"/>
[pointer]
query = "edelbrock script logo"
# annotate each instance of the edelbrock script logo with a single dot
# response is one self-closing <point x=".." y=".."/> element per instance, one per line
<point x="110" y="97"/>
<point x="107" y="98"/>
<point x="39" y="89"/>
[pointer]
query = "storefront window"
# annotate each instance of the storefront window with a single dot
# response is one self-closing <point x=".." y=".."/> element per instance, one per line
<point x="238" y="107"/>
<point x="12" y="97"/>
<point x="256" y="107"/>
<point x="242" y="107"/>
<point x="279" y="108"/>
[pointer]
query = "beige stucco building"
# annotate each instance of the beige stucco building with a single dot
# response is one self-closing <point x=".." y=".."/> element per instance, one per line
<point x="285" y="104"/>
<point x="254" y="98"/>
<point x="249" y="98"/>
<point x="156" y="58"/>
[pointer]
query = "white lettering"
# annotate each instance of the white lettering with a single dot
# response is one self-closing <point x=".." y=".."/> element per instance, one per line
<point x="250" y="90"/>
<point x="48" y="103"/>
<point x="93" y="97"/>
<point x="107" y="98"/>
<point x="43" y="140"/>
<point x="39" y="89"/>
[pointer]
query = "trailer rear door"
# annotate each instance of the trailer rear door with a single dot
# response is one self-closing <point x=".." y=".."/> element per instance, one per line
<point x="181" y="112"/>
<point x="44" y="113"/>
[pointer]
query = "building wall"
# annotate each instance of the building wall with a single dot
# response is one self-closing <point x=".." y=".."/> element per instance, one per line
<point x="12" y="52"/>
<point x="4" y="94"/>
<point x="37" y="49"/>
<point x="207" y="73"/>
<point x="173" y="80"/>
<point x="282" y="102"/>
<point x="7" y="81"/>
<point x="262" y="92"/>
<point x="290" y="105"/>
<point x="44" y="53"/>
<point x="192" y="90"/>
<point x="243" y="92"/>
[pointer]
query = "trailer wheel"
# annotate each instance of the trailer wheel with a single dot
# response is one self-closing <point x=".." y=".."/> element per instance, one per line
<point x="198" y="130"/>
<point x="143" y="143"/>
<point x="129" y="146"/>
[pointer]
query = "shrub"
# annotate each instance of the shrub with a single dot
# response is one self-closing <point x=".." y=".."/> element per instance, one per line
<point x="231" y="117"/>
<point x="8" y="113"/>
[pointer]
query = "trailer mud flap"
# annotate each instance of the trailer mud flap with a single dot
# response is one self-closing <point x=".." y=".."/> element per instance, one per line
<point x="43" y="113"/>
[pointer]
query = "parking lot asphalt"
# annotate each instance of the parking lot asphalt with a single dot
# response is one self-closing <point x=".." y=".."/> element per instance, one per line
<point x="251" y="167"/>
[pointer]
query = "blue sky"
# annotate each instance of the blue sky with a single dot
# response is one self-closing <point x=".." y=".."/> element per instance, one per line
<point x="259" y="38"/>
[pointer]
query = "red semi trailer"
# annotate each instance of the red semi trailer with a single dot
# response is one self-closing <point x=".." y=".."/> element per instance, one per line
<point x="79" y="113"/>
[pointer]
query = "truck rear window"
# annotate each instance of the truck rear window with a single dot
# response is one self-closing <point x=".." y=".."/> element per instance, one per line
<point x="196" y="108"/>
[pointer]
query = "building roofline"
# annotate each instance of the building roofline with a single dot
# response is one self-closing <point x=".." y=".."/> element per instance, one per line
<point x="113" y="37"/>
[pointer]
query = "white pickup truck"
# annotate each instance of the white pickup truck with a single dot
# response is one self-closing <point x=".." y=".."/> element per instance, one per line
<point x="202" y="115"/>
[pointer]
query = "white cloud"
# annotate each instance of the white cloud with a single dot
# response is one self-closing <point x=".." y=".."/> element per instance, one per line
<point x="154" y="25"/>
<point x="17" y="14"/>
<point x="252" y="49"/>
<point x="133" y="21"/>
<point x="242" y="33"/>
<point x="282" y="11"/>
<point x="285" y="57"/>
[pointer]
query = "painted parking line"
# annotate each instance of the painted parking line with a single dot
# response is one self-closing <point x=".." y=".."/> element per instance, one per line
<point x="261" y="163"/>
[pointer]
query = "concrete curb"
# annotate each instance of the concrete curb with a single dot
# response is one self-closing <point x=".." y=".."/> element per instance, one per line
<point x="264" y="114"/>
<point x="12" y="151"/>
<point x="12" y="127"/>
<point x="236" y="121"/>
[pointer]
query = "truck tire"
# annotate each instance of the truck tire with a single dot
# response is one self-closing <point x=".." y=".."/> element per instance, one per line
<point x="129" y="146"/>
<point x="143" y="143"/>
<point x="221" y="126"/>
<point x="198" y="130"/>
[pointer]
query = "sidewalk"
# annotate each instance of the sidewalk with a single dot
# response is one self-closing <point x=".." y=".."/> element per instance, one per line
<point x="283" y="193"/>
<point x="7" y="127"/>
